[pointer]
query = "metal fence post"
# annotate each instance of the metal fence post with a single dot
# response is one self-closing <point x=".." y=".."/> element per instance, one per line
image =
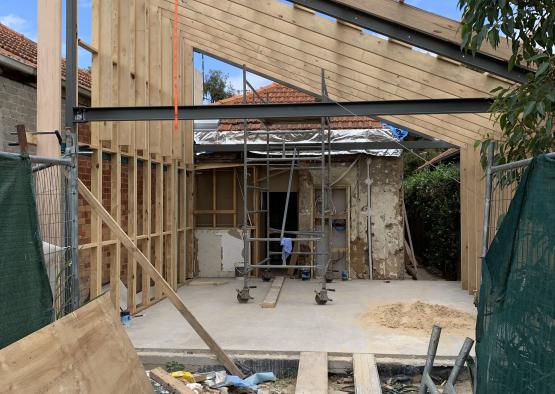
<point x="487" y="205"/>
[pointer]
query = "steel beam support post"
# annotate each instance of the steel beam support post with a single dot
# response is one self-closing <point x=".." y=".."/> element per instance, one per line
<point x="73" y="147"/>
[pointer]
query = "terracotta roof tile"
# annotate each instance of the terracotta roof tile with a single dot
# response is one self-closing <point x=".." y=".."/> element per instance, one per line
<point x="279" y="94"/>
<point x="18" y="47"/>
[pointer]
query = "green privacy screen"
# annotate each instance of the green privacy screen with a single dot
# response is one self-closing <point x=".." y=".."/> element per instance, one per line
<point x="516" y="316"/>
<point x="25" y="295"/>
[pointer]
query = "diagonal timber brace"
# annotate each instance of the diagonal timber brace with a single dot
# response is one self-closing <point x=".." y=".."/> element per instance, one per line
<point x="148" y="268"/>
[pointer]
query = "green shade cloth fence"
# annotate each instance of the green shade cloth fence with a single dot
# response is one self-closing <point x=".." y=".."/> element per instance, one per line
<point x="25" y="294"/>
<point x="515" y="330"/>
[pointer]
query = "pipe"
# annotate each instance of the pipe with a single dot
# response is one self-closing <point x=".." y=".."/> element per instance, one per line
<point x="368" y="213"/>
<point x="459" y="365"/>
<point x="345" y="173"/>
<point x="432" y="350"/>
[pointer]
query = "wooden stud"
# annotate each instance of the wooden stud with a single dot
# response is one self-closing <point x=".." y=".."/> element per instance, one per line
<point x="159" y="226"/>
<point x="147" y="224"/>
<point x="96" y="226"/>
<point x="132" y="231"/>
<point x="115" y="263"/>
<point x="49" y="78"/>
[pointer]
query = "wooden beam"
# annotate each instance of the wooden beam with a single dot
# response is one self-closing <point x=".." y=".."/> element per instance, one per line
<point x="365" y="371"/>
<point x="49" y="76"/>
<point x="312" y="376"/>
<point x="272" y="296"/>
<point x="147" y="267"/>
<point x="169" y="382"/>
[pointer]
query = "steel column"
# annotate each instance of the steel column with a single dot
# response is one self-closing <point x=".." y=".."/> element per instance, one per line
<point x="73" y="145"/>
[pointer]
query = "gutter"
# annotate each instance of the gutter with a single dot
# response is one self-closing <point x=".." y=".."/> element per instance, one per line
<point x="16" y="65"/>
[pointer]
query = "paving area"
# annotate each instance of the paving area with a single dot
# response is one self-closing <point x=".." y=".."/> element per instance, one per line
<point x="297" y="323"/>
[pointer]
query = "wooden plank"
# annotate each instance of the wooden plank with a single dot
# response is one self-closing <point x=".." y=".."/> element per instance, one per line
<point x="115" y="207"/>
<point x="141" y="70"/>
<point x="356" y="46"/>
<point x="49" y="78"/>
<point x="312" y="377"/>
<point x="154" y="75"/>
<point x="424" y="21"/>
<point x="87" y="351"/>
<point x="297" y="70"/>
<point x="169" y="382"/>
<point x="365" y="371"/>
<point x="147" y="267"/>
<point x="272" y="296"/>
<point x="173" y="213"/>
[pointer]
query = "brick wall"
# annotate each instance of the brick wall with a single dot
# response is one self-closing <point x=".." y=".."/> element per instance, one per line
<point x="17" y="106"/>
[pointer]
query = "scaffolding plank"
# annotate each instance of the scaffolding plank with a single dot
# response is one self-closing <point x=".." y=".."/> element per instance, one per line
<point x="312" y="377"/>
<point x="273" y="294"/>
<point x="365" y="370"/>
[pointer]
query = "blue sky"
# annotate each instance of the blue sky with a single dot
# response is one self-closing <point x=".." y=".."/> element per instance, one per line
<point x="21" y="15"/>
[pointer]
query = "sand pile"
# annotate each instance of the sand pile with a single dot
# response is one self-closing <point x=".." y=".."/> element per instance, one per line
<point x="418" y="316"/>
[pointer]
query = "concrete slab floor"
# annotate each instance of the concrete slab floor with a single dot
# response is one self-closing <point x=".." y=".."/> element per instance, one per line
<point x="297" y="323"/>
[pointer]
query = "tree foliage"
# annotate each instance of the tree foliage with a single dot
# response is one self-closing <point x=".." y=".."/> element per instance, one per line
<point x="217" y="86"/>
<point x="524" y="112"/>
<point x="432" y="198"/>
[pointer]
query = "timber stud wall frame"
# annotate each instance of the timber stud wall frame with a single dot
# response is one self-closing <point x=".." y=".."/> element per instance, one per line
<point x="132" y="67"/>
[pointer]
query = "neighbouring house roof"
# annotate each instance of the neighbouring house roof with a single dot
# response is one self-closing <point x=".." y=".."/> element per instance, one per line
<point x="24" y="50"/>
<point x="449" y="153"/>
<point x="279" y="94"/>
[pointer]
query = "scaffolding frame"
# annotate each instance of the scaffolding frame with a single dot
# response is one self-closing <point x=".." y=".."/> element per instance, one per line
<point x="290" y="154"/>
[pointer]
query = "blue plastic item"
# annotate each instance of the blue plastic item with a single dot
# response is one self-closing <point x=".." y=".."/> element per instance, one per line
<point x="260" y="377"/>
<point x="286" y="247"/>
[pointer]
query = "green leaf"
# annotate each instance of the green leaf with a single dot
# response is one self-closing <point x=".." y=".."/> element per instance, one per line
<point x="542" y="68"/>
<point x="528" y="108"/>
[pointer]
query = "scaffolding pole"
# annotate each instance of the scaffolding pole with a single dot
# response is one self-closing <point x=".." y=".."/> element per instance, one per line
<point x="287" y="157"/>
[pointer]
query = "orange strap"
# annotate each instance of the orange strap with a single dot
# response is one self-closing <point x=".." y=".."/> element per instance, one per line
<point x="175" y="55"/>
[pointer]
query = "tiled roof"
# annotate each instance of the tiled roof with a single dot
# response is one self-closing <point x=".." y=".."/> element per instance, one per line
<point x="279" y="94"/>
<point x="18" y="47"/>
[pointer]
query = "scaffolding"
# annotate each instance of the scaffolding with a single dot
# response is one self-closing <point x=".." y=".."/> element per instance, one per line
<point x="285" y="156"/>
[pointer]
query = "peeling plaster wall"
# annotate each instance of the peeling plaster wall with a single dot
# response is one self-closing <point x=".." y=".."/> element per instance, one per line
<point x="387" y="223"/>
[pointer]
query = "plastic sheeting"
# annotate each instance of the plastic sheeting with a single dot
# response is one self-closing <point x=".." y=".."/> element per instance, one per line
<point x="305" y="137"/>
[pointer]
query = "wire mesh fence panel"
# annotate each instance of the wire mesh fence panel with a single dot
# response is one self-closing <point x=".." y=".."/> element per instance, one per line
<point x="515" y="329"/>
<point x="51" y="195"/>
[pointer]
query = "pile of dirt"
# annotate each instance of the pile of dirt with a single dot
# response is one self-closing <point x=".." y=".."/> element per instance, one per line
<point x="418" y="316"/>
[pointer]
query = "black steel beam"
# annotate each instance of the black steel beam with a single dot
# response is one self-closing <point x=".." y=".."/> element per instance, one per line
<point x="285" y="111"/>
<point x="415" y="38"/>
<point x="336" y="146"/>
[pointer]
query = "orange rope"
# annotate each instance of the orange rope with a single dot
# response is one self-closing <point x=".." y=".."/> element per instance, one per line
<point x="175" y="54"/>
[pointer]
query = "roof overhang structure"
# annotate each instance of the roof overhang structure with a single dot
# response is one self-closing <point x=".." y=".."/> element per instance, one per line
<point x="294" y="45"/>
